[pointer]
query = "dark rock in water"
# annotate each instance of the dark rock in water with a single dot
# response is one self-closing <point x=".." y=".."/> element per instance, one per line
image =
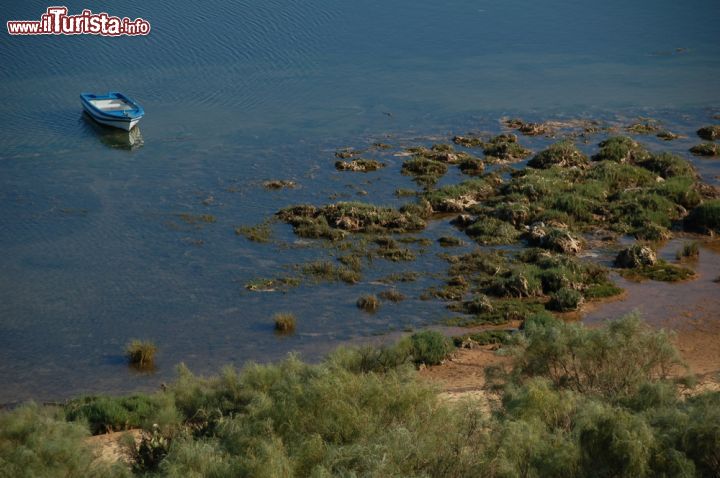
<point x="637" y="255"/>
<point x="563" y="154"/>
<point x="705" y="217"/>
<point x="706" y="149"/>
<point x="710" y="133"/>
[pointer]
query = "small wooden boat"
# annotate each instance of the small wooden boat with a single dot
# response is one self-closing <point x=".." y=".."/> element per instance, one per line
<point x="113" y="109"/>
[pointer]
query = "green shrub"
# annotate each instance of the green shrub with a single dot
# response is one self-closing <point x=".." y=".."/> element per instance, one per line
<point x="37" y="442"/>
<point x="430" y="347"/>
<point x="565" y="300"/>
<point x="107" y="414"/>
<point x="689" y="250"/>
<point x="705" y="217"/>
<point x="141" y="353"/>
<point x="612" y="362"/>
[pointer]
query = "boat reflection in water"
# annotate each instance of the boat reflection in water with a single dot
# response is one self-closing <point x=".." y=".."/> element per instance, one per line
<point x="114" y="137"/>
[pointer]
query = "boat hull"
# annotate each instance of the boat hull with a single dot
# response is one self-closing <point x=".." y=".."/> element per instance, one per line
<point x="113" y="109"/>
<point x="126" y="125"/>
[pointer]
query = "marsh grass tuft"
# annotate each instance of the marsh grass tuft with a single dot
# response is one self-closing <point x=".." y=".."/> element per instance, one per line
<point x="368" y="303"/>
<point x="689" y="250"/>
<point x="141" y="353"/>
<point x="284" y="322"/>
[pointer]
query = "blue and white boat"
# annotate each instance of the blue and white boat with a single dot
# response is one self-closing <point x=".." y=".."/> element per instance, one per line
<point x="112" y="109"/>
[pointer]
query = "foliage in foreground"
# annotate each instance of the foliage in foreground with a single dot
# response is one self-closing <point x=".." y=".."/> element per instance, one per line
<point x="576" y="402"/>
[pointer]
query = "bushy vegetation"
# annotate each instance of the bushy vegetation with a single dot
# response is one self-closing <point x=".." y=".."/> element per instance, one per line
<point x="576" y="402"/>
<point x="284" y="322"/>
<point x="141" y="353"/>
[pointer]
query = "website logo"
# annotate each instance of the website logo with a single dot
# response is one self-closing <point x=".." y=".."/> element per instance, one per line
<point x="56" y="21"/>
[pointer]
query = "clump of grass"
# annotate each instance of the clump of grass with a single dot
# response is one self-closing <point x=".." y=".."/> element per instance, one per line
<point x="327" y="271"/>
<point x="706" y="149"/>
<point x="279" y="184"/>
<point x="660" y="271"/>
<point x="486" y="337"/>
<point x="504" y="147"/>
<point x="471" y="166"/>
<point x="565" y="300"/>
<point x="709" y="133"/>
<point x="667" y="165"/>
<point x="269" y="285"/>
<point x="689" y="250"/>
<point x="425" y="171"/>
<point x="468" y="141"/>
<point x="563" y="154"/>
<point x="430" y="347"/>
<point x="368" y="303"/>
<point x="705" y="217"/>
<point x="258" y="233"/>
<point x="458" y="197"/>
<point x="644" y="127"/>
<point x="492" y="231"/>
<point x="393" y="295"/>
<point x="141" y="353"/>
<point x="621" y="149"/>
<point x="284" y="322"/>
<point x="359" y="165"/>
<point x="197" y="218"/>
<point x="450" y="241"/>
<point x="407" y="276"/>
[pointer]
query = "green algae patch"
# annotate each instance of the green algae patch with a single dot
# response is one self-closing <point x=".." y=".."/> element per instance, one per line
<point x="492" y="231"/>
<point x="406" y="276"/>
<point x="335" y="220"/>
<point x="505" y="148"/>
<point x="458" y="197"/>
<point x="645" y="127"/>
<point x="706" y="149"/>
<point x="450" y="241"/>
<point x="275" y="184"/>
<point x="259" y="233"/>
<point x="190" y="218"/>
<point x="272" y="284"/>
<point x="326" y="271"/>
<point x="704" y="218"/>
<point x="359" y="165"/>
<point x="660" y="271"/>
<point x="667" y="165"/>
<point x="424" y="171"/>
<point x="709" y="133"/>
<point x="563" y="154"/>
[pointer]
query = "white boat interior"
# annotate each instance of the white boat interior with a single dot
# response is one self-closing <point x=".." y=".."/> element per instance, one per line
<point x="111" y="105"/>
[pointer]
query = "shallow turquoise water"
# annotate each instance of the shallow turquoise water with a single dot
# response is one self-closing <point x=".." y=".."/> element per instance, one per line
<point x="93" y="251"/>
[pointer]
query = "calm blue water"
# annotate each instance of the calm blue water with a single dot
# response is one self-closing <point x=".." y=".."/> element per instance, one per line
<point x="93" y="250"/>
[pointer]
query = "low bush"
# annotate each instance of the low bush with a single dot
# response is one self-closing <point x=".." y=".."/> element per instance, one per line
<point x="141" y="353"/>
<point x="430" y="347"/>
